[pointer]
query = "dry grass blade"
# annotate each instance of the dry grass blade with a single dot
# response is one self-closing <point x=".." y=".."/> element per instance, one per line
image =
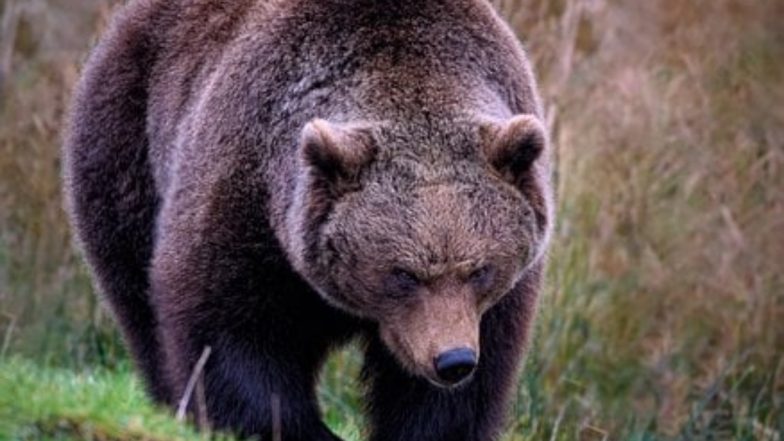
<point x="193" y="380"/>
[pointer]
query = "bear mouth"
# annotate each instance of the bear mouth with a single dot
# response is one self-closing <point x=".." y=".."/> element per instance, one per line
<point x="450" y="387"/>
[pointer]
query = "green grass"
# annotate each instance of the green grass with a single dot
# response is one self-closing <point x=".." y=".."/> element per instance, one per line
<point x="109" y="404"/>
<point x="60" y="404"/>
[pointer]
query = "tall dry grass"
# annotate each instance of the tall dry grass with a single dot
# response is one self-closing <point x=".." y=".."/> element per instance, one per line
<point x="666" y="297"/>
<point x="46" y="306"/>
<point x="664" y="313"/>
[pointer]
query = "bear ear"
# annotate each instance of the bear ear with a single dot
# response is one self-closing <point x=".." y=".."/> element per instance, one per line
<point x="336" y="152"/>
<point x="511" y="147"/>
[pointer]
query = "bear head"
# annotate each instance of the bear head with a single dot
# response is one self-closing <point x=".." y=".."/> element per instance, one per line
<point x="420" y="235"/>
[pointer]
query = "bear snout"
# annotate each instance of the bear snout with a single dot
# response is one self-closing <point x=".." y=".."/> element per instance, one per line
<point x="436" y="338"/>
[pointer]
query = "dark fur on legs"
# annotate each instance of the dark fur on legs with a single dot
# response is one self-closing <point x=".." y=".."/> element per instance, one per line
<point x="114" y="217"/>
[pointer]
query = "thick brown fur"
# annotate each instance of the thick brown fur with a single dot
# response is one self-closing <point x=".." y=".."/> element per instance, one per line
<point x="272" y="178"/>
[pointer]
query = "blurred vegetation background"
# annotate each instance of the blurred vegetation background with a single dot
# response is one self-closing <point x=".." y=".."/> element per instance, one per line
<point x="663" y="317"/>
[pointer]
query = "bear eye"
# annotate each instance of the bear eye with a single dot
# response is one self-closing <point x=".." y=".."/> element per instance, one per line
<point x="404" y="280"/>
<point x="482" y="276"/>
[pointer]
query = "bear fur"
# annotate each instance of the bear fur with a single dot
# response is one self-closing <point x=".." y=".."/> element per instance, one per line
<point x="273" y="178"/>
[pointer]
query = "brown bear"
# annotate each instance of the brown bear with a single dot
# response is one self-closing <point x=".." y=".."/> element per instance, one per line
<point x="274" y="178"/>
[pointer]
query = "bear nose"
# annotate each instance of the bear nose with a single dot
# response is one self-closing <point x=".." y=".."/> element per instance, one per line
<point x="455" y="365"/>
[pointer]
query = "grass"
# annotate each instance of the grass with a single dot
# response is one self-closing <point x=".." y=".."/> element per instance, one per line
<point x="663" y="316"/>
<point x="102" y="405"/>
